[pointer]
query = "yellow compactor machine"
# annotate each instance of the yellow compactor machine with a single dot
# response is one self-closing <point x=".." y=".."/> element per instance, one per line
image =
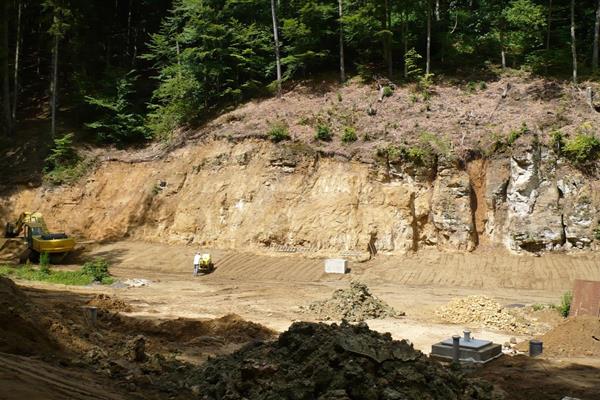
<point x="32" y="229"/>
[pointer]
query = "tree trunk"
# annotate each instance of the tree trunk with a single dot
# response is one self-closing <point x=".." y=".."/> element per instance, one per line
<point x="405" y="38"/>
<point x="16" y="74"/>
<point x="276" y="39"/>
<point x="549" y="25"/>
<point x="428" y="63"/>
<point x="596" y="39"/>
<point x="5" y="71"/>
<point x="388" y="39"/>
<point x="342" y="69"/>
<point x="54" y="86"/>
<point x="573" y="44"/>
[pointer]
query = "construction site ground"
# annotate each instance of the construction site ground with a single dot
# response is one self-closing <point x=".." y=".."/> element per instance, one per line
<point x="271" y="289"/>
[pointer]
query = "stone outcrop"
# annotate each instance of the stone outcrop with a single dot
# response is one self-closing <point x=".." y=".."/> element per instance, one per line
<point x="259" y="195"/>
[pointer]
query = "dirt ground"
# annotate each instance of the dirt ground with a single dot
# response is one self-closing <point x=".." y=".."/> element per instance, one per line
<point x="271" y="289"/>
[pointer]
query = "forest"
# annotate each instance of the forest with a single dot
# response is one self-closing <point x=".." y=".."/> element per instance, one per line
<point x="128" y="71"/>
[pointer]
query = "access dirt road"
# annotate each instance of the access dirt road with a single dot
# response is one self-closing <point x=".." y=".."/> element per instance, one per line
<point x="271" y="288"/>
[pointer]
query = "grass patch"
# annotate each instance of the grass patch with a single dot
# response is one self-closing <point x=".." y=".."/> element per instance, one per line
<point x="82" y="277"/>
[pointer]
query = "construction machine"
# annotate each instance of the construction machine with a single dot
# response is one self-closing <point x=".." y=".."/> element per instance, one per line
<point x="206" y="264"/>
<point x="37" y="237"/>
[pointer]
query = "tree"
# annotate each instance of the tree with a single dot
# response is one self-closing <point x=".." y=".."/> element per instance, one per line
<point x="5" y="70"/>
<point x="428" y="57"/>
<point x="341" y="15"/>
<point x="16" y="66"/>
<point x="276" y="41"/>
<point x="596" y="39"/>
<point x="60" y="24"/>
<point x="573" y="44"/>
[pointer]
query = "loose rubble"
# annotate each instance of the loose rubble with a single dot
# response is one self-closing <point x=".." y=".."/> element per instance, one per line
<point x="482" y="311"/>
<point x="353" y="305"/>
<point x="320" y="361"/>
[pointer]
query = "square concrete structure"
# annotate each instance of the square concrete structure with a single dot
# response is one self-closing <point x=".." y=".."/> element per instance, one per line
<point x="469" y="350"/>
<point x="336" y="266"/>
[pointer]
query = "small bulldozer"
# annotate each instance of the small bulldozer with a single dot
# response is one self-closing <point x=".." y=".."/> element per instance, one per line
<point x="30" y="235"/>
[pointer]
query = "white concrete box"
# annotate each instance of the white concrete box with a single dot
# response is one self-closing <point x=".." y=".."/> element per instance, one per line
<point x="336" y="266"/>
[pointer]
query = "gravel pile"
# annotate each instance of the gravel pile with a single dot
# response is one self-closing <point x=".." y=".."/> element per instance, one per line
<point x="482" y="311"/>
<point x="354" y="304"/>
<point x="327" y="362"/>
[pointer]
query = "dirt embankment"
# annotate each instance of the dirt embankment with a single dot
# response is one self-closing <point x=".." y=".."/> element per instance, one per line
<point x="125" y="354"/>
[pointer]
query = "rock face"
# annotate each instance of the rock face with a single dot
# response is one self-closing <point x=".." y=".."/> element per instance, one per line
<point x="259" y="195"/>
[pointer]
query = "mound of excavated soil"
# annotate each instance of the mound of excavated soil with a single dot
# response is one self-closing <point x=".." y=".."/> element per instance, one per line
<point x="482" y="311"/>
<point x="106" y="302"/>
<point x="23" y="329"/>
<point x="354" y="304"/>
<point x="320" y="361"/>
<point x="231" y="327"/>
<point x="575" y="337"/>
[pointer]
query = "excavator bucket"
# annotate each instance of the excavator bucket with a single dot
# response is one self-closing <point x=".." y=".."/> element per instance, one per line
<point x="13" y="251"/>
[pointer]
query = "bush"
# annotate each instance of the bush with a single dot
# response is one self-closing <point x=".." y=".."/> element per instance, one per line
<point x="278" y="133"/>
<point x="349" y="135"/>
<point x="565" y="304"/>
<point x="64" y="165"/>
<point x="582" y="148"/>
<point x="45" y="263"/>
<point x="323" y="133"/>
<point x="412" y="58"/>
<point x="387" y="91"/>
<point x="97" y="269"/>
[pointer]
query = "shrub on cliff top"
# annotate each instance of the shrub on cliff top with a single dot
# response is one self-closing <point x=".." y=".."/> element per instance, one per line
<point x="278" y="132"/>
<point x="582" y="148"/>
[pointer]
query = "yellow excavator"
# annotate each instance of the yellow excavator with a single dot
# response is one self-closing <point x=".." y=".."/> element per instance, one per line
<point x="36" y="236"/>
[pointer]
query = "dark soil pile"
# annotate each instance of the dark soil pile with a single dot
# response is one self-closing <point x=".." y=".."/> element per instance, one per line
<point x="575" y="337"/>
<point x="320" y="361"/>
<point x="354" y="305"/>
<point x="106" y="302"/>
<point x="231" y="327"/>
<point x="23" y="329"/>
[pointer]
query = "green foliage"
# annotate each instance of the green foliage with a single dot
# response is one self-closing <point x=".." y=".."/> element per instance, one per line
<point x="45" y="262"/>
<point x="424" y="86"/>
<point x="64" y="165"/>
<point x="516" y="134"/>
<point x="323" y="133"/>
<point x="349" y="135"/>
<point x="412" y="59"/>
<point x="97" y="269"/>
<point x="278" y="132"/>
<point x="565" y="304"/>
<point x="557" y="141"/>
<point x="117" y="122"/>
<point x="583" y="148"/>
<point x="387" y="91"/>
<point x="77" y="278"/>
<point x="62" y="153"/>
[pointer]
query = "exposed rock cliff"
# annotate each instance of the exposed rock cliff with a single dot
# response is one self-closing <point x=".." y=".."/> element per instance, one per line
<point x="255" y="194"/>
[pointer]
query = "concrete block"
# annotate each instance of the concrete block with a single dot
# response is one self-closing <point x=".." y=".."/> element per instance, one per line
<point x="336" y="266"/>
